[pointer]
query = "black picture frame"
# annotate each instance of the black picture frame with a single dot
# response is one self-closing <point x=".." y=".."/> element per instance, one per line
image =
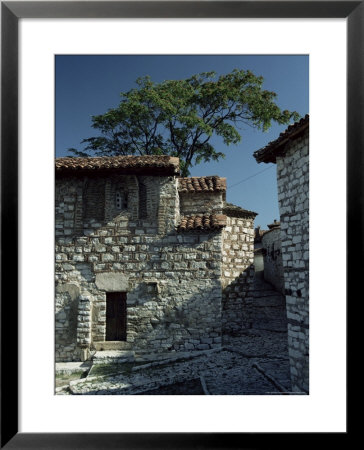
<point x="11" y="12"/>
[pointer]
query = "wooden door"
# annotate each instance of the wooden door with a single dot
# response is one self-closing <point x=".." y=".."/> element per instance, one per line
<point x="116" y="316"/>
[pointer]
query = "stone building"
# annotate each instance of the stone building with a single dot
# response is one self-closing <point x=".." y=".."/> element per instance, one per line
<point x="237" y="266"/>
<point x="272" y="255"/>
<point x="145" y="259"/>
<point x="258" y="251"/>
<point x="291" y="154"/>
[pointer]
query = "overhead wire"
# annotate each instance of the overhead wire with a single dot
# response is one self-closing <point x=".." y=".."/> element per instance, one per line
<point x="251" y="176"/>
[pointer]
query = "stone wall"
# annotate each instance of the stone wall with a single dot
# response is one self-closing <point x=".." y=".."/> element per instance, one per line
<point x="293" y="196"/>
<point x="68" y="207"/>
<point x="172" y="280"/>
<point x="66" y="314"/>
<point x="258" y="260"/>
<point x="237" y="271"/>
<point x="273" y="265"/>
<point x="201" y="203"/>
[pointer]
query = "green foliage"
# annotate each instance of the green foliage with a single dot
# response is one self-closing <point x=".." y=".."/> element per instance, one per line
<point x="178" y="117"/>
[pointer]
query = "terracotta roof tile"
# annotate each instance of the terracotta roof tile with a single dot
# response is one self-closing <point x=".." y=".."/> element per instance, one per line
<point x="202" y="184"/>
<point x="203" y="222"/>
<point x="236" y="211"/>
<point x="160" y="164"/>
<point x="275" y="148"/>
<point x="275" y="224"/>
<point x="270" y="231"/>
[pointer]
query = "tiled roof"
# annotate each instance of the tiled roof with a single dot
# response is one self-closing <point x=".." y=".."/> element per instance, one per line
<point x="271" y="231"/>
<point x="273" y="225"/>
<point x="202" y="184"/>
<point x="236" y="211"/>
<point x="167" y="165"/>
<point x="204" y="222"/>
<point x="275" y="148"/>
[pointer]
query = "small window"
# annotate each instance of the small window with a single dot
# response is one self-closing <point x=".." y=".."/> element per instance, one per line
<point x="142" y="200"/>
<point x="118" y="200"/>
<point x="121" y="200"/>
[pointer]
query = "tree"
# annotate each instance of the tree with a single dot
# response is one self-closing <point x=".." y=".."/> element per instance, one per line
<point x="179" y="117"/>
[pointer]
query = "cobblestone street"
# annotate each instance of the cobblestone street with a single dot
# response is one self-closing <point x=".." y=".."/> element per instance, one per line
<point x="253" y="363"/>
<point x="230" y="371"/>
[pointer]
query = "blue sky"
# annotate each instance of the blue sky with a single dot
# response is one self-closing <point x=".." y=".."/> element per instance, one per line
<point x="88" y="85"/>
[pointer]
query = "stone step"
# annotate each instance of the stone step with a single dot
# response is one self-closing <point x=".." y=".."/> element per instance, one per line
<point x="273" y="301"/>
<point x="261" y="283"/>
<point x="278" y="329"/>
<point x="264" y="293"/>
<point x="67" y="368"/>
<point x="277" y="326"/>
<point x="148" y="357"/>
<point x="113" y="356"/>
<point x="264" y="289"/>
<point x="112" y="345"/>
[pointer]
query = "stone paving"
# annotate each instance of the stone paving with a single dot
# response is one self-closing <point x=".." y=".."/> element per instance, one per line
<point x="253" y="363"/>
<point x="231" y="371"/>
<point x="72" y="367"/>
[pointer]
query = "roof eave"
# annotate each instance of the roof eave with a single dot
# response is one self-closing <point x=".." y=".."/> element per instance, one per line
<point x="278" y="148"/>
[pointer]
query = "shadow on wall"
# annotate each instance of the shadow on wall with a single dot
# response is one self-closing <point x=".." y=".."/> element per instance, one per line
<point x="234" y="314"/>
<point x="249" y="302"/>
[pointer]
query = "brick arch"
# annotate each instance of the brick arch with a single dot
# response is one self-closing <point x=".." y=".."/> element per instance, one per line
<point x="128" y="188"/>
